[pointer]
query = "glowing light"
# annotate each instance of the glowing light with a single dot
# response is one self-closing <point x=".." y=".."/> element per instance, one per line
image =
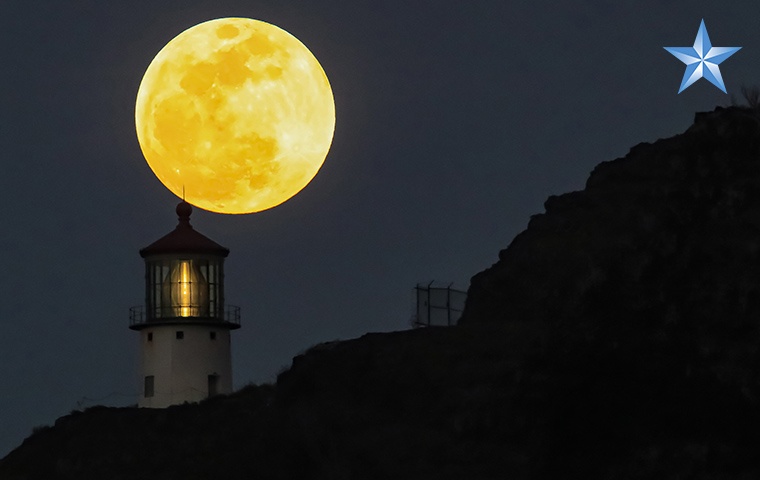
<point x="184" y="285"/>
<point x="186" y="290"/>
<point x="238" y="111"/>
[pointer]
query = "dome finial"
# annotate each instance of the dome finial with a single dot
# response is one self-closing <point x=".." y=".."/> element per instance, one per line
<point x="184" y="210"/>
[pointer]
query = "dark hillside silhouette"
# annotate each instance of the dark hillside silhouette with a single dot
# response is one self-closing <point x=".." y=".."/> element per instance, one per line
<point x="616" y="337"/>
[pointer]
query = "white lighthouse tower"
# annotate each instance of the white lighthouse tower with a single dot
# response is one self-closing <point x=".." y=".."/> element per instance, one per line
<point x="184" y="325"/>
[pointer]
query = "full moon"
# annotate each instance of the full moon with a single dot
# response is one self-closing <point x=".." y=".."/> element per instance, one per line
<point x="235" y="114"/>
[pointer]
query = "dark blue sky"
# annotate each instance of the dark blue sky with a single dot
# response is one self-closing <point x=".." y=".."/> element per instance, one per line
<point x="455" y="121"/>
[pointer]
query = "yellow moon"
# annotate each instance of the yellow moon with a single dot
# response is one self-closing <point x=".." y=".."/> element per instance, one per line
<point x="237" y="113"/>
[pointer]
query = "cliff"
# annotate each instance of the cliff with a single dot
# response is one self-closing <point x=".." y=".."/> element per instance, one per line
<point x="616" y="337"/>
<point x="669" y="233"/>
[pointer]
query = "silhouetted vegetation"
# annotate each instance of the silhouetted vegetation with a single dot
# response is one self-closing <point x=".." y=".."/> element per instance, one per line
<point x="751" y="96"/>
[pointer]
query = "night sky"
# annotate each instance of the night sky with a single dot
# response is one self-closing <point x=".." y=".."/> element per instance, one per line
<point x="454" y="122"/>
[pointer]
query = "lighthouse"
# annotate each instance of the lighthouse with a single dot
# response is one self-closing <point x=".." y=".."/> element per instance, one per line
<point x="184" y="326"/>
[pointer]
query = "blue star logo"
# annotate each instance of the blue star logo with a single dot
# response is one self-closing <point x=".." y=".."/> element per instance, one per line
<point x="702" y="60"/>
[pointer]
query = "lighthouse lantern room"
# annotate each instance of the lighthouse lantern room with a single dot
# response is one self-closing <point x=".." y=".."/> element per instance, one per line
<point x="184" y="326"/>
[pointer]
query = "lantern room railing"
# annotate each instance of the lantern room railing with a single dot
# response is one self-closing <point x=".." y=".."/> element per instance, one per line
<point x="189" y="314"/>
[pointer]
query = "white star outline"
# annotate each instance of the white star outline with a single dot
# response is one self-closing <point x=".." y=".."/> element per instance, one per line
<point x="702" y="55"/>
